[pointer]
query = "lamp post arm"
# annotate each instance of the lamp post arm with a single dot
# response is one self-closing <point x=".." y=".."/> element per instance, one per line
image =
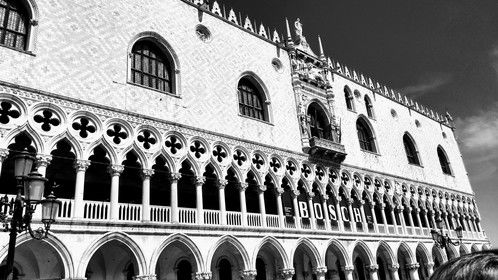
<point x="14" y="223"/>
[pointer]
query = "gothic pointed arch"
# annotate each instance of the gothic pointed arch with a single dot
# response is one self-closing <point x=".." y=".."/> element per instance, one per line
<point x="443" y="161"/>
<point x="411" y="150"/>
<point x="319" y="121"/>
<point x="228" y="247"/>
<point x="153" y="63"/>
<point x="369" y="107"/>
<point x="272" y="253"/>
<point x="253" y="97"/>
<point x="366" y="135"/>
<point x="348" y="96"/>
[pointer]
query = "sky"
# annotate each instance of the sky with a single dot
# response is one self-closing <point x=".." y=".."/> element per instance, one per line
<point x="442" y="53"/>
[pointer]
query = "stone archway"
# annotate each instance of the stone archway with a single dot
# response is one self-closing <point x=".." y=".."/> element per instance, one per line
<point x="177" y="261"/>
<point x="336" y="261"/>
<point x="305" y="260"/>
<point x="228" y="259"/>
<point x="386" y="260"/>
<point x="270" y="260"/>
<point x="362" y="260"/>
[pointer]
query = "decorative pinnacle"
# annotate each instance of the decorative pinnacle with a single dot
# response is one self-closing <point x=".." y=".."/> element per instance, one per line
<point x="322" y="55"/>
<point x="289" y="36"/>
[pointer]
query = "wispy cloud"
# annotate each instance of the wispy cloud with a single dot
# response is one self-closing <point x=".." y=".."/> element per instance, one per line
<point x="493" y="56"/>
<point x="427" y="84"/>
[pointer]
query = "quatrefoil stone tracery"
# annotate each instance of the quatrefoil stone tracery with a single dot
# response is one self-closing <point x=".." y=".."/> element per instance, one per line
<point x="117" y="133"/>
<point x="84" y="127"/>
<point x="47" y="119"/>
<point x="173" y="144"/>
<point x="147" y="139"/>
<point x="219" y="153"/>
<point x="197" y="148"/>
<point x="239" y="157"/>
<point x="258" y="161"/>
<point x="320" y="173"/>
<point x="8" y="111"/>
<point x="291" y="167"/>
<point x="275" y="164"/>
<point x="306" y="170"/>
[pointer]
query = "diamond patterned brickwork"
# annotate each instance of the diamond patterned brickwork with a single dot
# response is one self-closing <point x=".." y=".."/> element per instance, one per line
<point x="81" y="52"/>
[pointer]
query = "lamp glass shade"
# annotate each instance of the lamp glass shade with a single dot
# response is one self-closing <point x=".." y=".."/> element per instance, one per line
<point x="459" y="232"/>
<point x="50" y="209"/>
<point x="23" y="163"/>
<point x="34" y="187"/>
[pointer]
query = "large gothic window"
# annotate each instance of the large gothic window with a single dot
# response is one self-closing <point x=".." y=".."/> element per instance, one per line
<point x="349" y="99"/>
<point x="365" y="136"/>
<point x="319" y="125"/>
<point x="443" y="160"/>
<point x="151" y="67"/>
<point x="251" y="100"/>
<point x="14" y="26"/>
<point x="369" y="107"/>
<point x="411" y="151"/>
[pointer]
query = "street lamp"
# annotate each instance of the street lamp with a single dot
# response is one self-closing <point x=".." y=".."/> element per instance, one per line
<point x="22" y="208"/>
<point x="442" y="240"/>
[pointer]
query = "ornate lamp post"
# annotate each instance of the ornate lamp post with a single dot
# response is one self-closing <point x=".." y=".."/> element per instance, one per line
<point x="22" y="208"/>
<point x="442" y="240"/>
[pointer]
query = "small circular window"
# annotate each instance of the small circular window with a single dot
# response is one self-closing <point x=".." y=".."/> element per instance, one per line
<point x="417" y="123"/>
<point x="203" y="33"/>
<point x="393" y="113"/>
<point x="277" y="64"/>
<point x="444" y="135"/>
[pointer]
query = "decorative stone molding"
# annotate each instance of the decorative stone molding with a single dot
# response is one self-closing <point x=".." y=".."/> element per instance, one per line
<point x="147" y="173"/>
<point x="321" y="271"/>
<point x="3" y="154"/>
<point x="279" y="190"/>
<point x="348" y="268"/>
<point x="200" y="180"/>
<point x="262" y="188"/>
<point x="175" y="176"/>
<point x="373" y="268"/>
<point x="222" y="183"/>
<point x="81" y="165"/>
<point x="115" y="169"/>
<point x="295" y="193"/>
<point x="394" y="267"/>
<point x="413" y="266"/>
<point x="43" y="160"/>
<point x="145" y="277"/>
<point x="287" y="273"/>
<point x="325" y="196"/>
<point x="243" y="186"/>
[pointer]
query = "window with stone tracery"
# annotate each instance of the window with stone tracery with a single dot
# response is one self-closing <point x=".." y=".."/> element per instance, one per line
<point x="14" y="24"/>
<point x="319" y="125"/>
<point x="151" y="67"/>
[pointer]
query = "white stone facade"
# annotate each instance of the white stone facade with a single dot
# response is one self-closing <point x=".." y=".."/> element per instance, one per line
<point x="336" y="211"/>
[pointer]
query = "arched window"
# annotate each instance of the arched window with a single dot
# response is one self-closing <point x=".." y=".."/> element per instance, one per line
<point x="251" y="101"/>
<point x="369" y="107"/>
<point x="349" y="99"/>
<point x="411" y="151"/>
<point x="319" y="124"/>
<point x="443" y="160"/>
<point x="14" y="24"/>
<point x="151" y="67"/>
<point x="365" y="136"/>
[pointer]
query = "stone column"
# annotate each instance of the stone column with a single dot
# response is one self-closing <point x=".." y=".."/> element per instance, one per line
<point x="280" y="209"/>
<point x="383" y="213"/>
<point x="297" y="220"/>
<point x="340" y="222"/>
<point x="419" y="221"/>
<point x="146" y="174"/>
<point x="410" y="218"/>
<point x="202" y="276"/>
<point x="4" y="153"/>
<point x="115" y="171"/>
<point x="394" y="271"/>
<point x="199" y="181"/>
<point x="174" y="197"/>
<point x="262" y="208"/>
<point x="402" y="218"/>
<point x="393" y="217"/>
<point x="311" y="210"/>
<point x="243" y="206"/>
<point x="446" y="221"/>
<point x="321" y="272"/>
<point x="221" y="193"/>
<point x="427" y="219"/>
<point x="286" y="273"/>
<point x="79" y="188"/>
<point x="351" y="215"/>
<point x="363" y="216"/>
<point x="326" y="212"/>
<point x="430" y="268"/>
<point x="248" y="275"/>
<point x="42" y="161"/>
<point x="433" y="219"/>
<point x="374" y="217"/>
<point x="372" y="270"/>
<point x="413" y="270"/>
<point x="348" y="272"/>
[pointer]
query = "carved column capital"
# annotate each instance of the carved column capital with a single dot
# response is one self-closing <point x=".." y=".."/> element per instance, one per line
<point x="243" y="186"/>
<point x="175" y="176"/>
<point x="262" y="188"/>
<point x="349" y="201"/>
<point x="43" y="160"/>
<point x="373" y="268"/>
<point x="200" y="180"/>
<point x="413" y="266"/>
<point x="115" y="169"/>
<point x="81" y="164"/>
<point x="430" y="265"/>
<point x="287" y="273"/>
<point x="311" y="195"/>
<point x="394" y="267"/>
<point x="145" y="277"/>
<point x="362" y="202"/>
<point x="248" y="275"/>
<point x="222" y="183"/>
<point x="147" y="173"/>
<point x="321" y="271"/>
<point x="348" y="268"/>
<point x="325" y="197"/>
<point x="279" y="190"/>
<point x="203" y="276"/>
<point x="3" y="154"/>
<point x="295" y="193"/>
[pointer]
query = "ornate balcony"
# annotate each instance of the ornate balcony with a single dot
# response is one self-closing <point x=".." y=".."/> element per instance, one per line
<point x="326" y="148"/>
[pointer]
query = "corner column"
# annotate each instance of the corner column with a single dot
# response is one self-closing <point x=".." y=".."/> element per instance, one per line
<point x="174" y="197"/>
<point x="146" y="174"/>
<point x="79" y="189"/>
<point x="115" y="171"/>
